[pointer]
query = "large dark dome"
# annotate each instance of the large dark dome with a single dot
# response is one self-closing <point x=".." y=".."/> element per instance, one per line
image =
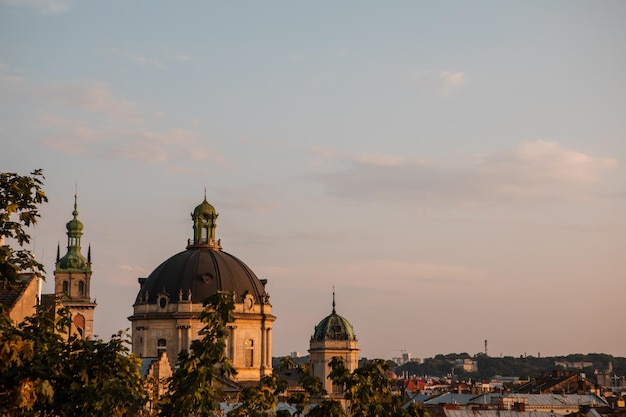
<point x="204" y="271"/>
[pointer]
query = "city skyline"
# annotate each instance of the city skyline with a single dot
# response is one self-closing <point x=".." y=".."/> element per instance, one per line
<point x="456" y="171"/>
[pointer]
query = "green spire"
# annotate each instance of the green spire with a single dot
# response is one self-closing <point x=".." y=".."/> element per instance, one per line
<point x="73" y="259"/>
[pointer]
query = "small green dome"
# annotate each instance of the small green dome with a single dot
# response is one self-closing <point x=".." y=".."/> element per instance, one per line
<point x="74" y="225"/>
<point x="334" y="327"/>
<point x="204" y="210"/>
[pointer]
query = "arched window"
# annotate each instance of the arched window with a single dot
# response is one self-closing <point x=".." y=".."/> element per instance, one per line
<point x="248" y="347"/>
<point x="81" y="289"/>
<point x="79" y="323"/>
<point x="66" y="288"/>
<point x="161" y="346"/>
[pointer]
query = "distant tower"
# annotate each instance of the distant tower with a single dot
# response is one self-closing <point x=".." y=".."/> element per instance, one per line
<point x="333" y="336"/>
<point x="486" y="351"/>
<point x="72" y="279"/>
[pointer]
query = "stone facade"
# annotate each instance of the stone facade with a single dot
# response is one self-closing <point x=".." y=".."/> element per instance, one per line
<point x="20" y="300"/>
<point x="322" y="352"/>
<point x="173" y="327"/>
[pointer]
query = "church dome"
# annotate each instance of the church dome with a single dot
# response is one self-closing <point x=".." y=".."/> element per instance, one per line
<point x="202" y="269"/>
<point x="200" y="272"/>
<point x="333" y="327"/>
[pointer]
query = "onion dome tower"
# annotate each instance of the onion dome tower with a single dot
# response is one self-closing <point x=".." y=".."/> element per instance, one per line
<point x="333" y="336"/>
<point x="72" y="278"/>
<point x="167" y="308"/>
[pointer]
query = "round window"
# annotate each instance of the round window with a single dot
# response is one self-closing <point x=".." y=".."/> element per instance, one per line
<point x="162" y="302"/>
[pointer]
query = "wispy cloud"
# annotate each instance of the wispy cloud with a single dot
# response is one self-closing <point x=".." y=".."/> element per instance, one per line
<point x="133" y="268"/>
<point x="69" y="136"/>
<point x="95" y="97"/>
<point x="7" y="75"/>
<point x="452" y="79"/>
<point x="535" y="171"/>
<point x="380" y="160"/>
<point x="446" y="82"/>
<point x="143" y="59"/>
<point x="43" y="6"/>
<point x="138" y="59"/>
<point x="175" y="146"/>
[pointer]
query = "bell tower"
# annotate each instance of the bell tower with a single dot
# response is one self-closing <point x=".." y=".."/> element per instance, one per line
<point x="72" y="279"/>
<point x="333" y="337"/>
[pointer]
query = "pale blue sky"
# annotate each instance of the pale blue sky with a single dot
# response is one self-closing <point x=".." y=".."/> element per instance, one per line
<point x="455" y="169"/>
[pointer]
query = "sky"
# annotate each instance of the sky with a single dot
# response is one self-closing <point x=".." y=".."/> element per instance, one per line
<point x="456" y="170"/>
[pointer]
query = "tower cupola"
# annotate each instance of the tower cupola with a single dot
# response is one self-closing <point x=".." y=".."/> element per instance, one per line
<point x="204" y="218"/>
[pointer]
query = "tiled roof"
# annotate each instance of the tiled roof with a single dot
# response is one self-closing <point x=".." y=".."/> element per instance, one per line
<point x="498" y="413"/>
<point x="10" y="294"/>
<point x="558" y="400"/>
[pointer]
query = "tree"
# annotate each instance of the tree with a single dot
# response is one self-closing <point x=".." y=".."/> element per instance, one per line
<point x="20" y="197"/>
<point x="43" y="372"/>
<point x="368" y="390"/>
<point x="259" y="400"/>
<point x="313" y="388"/>
<point x="194" y="388"/>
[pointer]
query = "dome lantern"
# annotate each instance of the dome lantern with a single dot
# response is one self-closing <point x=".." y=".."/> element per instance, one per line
<point x="204" y="219"/>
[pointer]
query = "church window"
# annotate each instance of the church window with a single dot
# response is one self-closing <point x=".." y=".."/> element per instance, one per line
<point x="81" y="288"/>
<point x="66" y="288"/>
<point x="337" y="389"/>
<point x="249" y="353"/>
<point x="161" y="346"/>
<point x="337" y="332"/>
<point x="79" y="323"/>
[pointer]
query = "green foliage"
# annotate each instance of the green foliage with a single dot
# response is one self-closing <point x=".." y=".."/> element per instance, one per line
<point x="368" y="390"/>
<point x="313" y="388"/>
<point x="43" y="372"/>
<point x="259" y="400"/>
<point x="327" y="408"/>
<point x="20" y="197"/>
<point x="523" y="367"/>
<point x="194" y="388"/>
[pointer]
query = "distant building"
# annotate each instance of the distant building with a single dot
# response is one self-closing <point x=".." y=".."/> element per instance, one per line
<point x="20" y="298"/>
<point x="513" y="404"/>
<point x="558" y="383"/>
<point x="573" y="365"/>
<point x="333" y="337"/>
<point x="467" y="365"/>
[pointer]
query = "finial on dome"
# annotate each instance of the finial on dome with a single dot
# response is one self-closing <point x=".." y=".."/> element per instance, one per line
<point x="334" y="312"/>
<point x="75" y="212"/>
